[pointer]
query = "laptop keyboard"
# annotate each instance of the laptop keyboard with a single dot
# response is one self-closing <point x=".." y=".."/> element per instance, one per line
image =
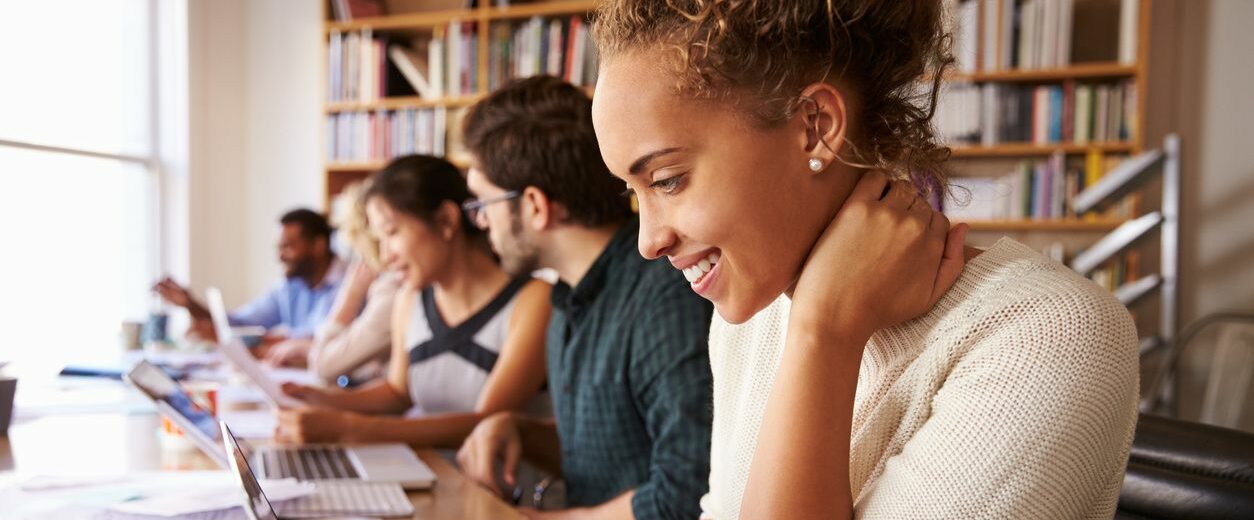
<point x="308" y="463"/>
<point x="350" y="498"/>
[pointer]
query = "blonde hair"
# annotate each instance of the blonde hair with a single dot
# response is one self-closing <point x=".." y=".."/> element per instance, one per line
<point x="349" y="216"/>
<point x="764" y="52"/>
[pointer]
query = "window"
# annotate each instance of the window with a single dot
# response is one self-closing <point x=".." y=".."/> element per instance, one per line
<point x="80" y="176"/>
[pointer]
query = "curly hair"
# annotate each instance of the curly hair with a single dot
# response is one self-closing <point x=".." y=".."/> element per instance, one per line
<point x="760" y="54"/>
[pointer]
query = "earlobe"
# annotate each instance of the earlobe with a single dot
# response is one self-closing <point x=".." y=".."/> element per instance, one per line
<point x="823" y="113"/>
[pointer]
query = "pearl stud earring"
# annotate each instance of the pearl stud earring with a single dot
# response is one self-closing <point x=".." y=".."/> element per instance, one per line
<point x="816" y="164"/>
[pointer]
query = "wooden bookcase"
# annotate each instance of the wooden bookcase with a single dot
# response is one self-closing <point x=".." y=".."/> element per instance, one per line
<point x="337" y="175"/>
<point x="1136" y="72"/>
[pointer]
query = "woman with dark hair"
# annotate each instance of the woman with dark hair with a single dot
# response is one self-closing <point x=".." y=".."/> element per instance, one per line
<point x="865" y="363"/>
<point x="467" y="340"/>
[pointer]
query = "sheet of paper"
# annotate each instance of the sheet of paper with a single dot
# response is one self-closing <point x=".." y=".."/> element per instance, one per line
<point x="293" y="375"/>
<point x="250" y="424"/>
<point x="244" y="360"/>
<point x="210" y="498"/>
<point x="83" y="495"/>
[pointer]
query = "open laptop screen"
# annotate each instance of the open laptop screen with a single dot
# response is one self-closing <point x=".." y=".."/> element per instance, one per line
<point x="258" y="506"/>
<point x="152" y="381"/>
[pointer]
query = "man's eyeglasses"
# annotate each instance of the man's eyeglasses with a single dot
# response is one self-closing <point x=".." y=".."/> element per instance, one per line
<point x="474" y="208"/>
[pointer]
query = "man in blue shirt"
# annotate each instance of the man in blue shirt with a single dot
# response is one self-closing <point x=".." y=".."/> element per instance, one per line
<point x="300" y="302"/>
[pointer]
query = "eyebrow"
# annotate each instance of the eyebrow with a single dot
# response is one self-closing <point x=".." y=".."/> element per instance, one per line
<point x="644" y="160"/>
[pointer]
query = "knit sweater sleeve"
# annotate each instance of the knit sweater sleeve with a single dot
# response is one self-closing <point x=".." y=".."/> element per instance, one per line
<point x="1032" y="418"/>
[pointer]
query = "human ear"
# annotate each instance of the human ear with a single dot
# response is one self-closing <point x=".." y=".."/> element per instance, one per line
<point x="448" y="220"/>
<point x="536" y="209"/>
<point x="823" y="116"/>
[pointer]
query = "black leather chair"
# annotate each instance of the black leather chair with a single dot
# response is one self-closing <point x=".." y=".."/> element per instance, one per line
<point x="1180" y="469"/>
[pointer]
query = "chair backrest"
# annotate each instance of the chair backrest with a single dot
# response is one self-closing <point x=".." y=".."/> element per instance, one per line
<point x="1214" y="378"/>
<point x="1206" y="374"/>
<point x="1180" y="469"/>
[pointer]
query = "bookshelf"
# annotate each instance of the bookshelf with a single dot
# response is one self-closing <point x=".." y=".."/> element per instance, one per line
<point x="1001" y="46"/>
<point x="1049" y="98"/>
<point x="995" y="71"/>
<point x="1125" y="68"/>
<point x="372" y="117"/>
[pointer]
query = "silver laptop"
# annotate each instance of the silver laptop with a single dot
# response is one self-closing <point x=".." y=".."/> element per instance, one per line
<point x="328" y="499"/>
<point x="393" y="462"/>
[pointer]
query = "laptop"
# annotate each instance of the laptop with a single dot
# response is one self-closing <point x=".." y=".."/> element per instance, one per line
<point x="393" y="462"/>
<point x="217" y="313"/>
<point x="329" y="498"/>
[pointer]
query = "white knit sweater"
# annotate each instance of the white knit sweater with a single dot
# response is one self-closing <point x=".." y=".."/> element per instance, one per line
<point x="1015" y="397"/>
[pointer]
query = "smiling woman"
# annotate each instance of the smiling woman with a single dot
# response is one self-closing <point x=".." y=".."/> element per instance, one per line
<point x="864" y="361"/>
<point x="467" y="339"/>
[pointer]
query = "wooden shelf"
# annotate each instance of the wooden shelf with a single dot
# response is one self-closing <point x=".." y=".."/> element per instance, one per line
<point x="373" y="166"/>
<point x="430" y="19"/>
<point x="420" y="20"/>
<point x="403" y="102"/>
<point x="1084" y="70"/>
<point x="541" y="9"/>
<point x="1029" y="149"/>
<point x="1094" y="226"/>
<point x="356" y="166"/>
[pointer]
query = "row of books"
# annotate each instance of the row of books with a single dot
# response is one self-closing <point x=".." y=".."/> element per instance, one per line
<point x="989" y="114"/>
<point x="1036" y="189"/>
<point x="1118" y="271"/>
<point x="364" y="67"/>
<point x="373" y="136"/>
<point x="356" y="67"/>
<point x="559" y="47"/>
<point x="1123" y="269"/>
<point x="1038" y="34"/>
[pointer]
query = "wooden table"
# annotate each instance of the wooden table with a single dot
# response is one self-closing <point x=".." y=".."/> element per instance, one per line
<point x="111" y="443"/>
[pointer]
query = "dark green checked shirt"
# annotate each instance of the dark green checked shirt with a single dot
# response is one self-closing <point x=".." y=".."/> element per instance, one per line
<point x="630" y="378"/>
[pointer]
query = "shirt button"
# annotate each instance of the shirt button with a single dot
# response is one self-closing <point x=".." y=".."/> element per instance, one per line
<point x="566" y="389"/>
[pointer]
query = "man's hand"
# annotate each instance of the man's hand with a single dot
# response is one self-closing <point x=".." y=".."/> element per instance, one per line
<point x="495" y="438"/>
<point x="173" y="293"/>
<point x="202" y="330"/>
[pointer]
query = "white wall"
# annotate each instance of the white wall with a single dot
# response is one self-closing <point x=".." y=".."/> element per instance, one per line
<point x="1202" y="74"/>
<point x="1222" y="196"/>
<point x="255" y="152"/>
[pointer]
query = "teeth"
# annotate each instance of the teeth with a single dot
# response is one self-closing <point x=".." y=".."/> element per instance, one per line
<point x="695" y="272"/>
<point x="692" y="274"/>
